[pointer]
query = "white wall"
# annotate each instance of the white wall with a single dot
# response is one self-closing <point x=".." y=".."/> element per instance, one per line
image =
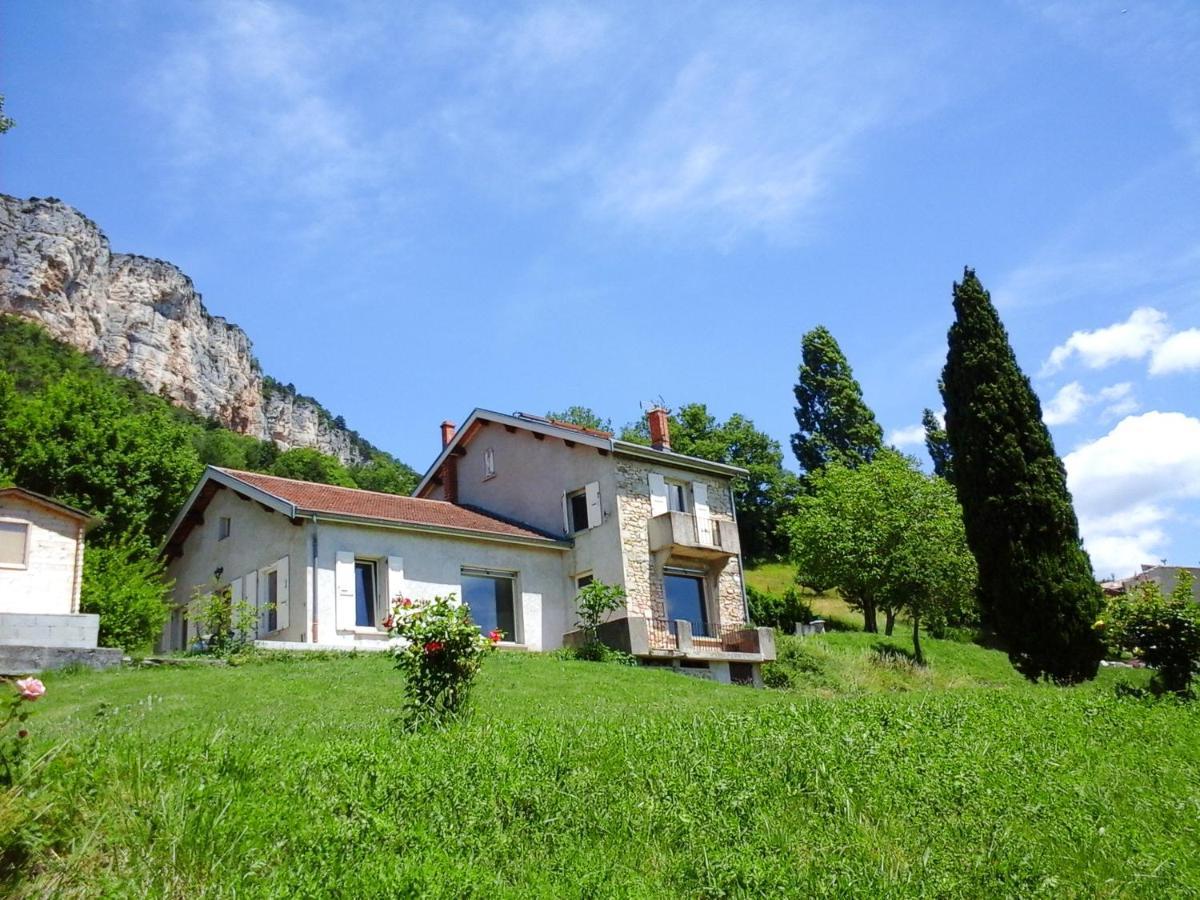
<point x="257" y="539"/>
<point x="432" y="566"/>
<point x="49" y="582"/>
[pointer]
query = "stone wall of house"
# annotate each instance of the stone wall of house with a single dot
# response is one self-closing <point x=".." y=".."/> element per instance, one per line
<point x="643" y="584"/>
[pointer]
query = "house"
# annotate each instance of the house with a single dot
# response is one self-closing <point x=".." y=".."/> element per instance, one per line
<point x="1166" y="577"/>
<point x="516" y="514"/>
<point x="41" y="571"/>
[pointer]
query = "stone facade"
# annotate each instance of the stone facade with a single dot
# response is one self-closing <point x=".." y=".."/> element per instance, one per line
<point x="643" y="577"/>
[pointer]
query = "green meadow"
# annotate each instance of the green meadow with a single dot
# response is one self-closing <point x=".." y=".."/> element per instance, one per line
<point x="866" y="776"/>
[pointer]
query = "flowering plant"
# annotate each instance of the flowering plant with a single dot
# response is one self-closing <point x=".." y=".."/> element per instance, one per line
<point x="439" y="650"/>
<point x="12" y="746"/>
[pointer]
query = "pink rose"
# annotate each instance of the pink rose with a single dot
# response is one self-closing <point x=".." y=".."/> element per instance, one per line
<point x="30" y="688"/>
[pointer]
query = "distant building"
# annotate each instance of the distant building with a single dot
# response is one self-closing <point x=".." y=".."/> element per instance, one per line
<point x="1166" y="577"/>
<point x="41" y="571"/>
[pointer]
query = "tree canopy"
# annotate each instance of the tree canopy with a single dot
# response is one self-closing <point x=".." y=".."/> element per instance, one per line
<point x="938" y="445"/>
<point x="584" y="417"/>
<point x="834" y="422"/>
<point x="1036" y="584"/>
<point x="889" y="538"/>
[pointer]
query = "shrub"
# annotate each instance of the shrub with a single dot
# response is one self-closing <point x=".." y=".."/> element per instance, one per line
<point x="778" y="612"/>
<point x="439" y="651"/>
<point x="127" y="587"/>
<point x="224" y="627"/>
<point x="1162" y="631"/>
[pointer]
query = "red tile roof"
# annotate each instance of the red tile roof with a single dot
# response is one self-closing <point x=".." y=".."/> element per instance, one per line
<point x="340" y="501"/>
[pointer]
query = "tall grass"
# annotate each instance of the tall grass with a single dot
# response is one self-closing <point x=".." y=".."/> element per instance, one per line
<point x="583" y="779"/>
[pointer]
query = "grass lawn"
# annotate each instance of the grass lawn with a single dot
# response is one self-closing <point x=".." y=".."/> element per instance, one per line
<point x="775" y="578"/>
<point x="869" y="778"/>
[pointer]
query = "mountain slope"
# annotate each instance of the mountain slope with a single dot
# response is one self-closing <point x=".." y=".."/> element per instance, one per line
<point x="143" y="319"/>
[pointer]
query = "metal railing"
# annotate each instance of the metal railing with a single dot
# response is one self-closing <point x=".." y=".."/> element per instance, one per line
<point x="662" y="634"/>
<point x="736" y="637"/>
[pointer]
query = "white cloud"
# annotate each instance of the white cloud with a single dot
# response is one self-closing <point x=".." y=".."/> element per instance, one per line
<point x="1126" y="485"/>
<point x="909" y="436"/>
<point x="1178" y="353"/>
<point x="1135" y="338"/>
<point x="1072" y="400"/>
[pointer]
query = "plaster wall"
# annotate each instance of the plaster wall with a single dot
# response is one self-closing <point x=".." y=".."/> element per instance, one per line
<point x="48" y="581"/>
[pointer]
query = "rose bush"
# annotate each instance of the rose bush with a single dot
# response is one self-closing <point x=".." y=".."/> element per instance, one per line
<point x="439" y="650"/>
<point x="12" y="745"/>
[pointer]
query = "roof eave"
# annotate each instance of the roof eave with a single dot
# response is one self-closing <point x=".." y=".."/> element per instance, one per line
<point x="679" y="460"/>
<point x="469" y="533"/>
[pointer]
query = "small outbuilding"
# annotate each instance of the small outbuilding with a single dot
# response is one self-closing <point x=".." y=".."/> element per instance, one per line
<point x="41" y="573"/>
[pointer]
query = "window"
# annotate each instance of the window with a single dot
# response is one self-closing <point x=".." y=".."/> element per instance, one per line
<point x="685" y="600"/>
<point x="676" y="497"/>
<point x="223" y="528"/>
<point x="489" y="464"/>
<point x="364" y="593"/>
<point x="489" y="596"/>
<point x="583" y="581"/>
<point x="578" y="507"/>
<point x="14" y="544"/>
<point x="272" y="598"/>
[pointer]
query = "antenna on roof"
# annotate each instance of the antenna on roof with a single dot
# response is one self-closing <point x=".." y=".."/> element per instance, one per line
<point x="660" y="403"/>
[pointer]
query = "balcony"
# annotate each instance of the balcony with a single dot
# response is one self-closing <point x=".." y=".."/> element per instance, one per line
<point x="661" y="638"/>
<point x="680" y="534"/>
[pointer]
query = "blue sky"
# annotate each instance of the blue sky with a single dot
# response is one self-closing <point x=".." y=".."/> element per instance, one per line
<point x="415" y="210"/>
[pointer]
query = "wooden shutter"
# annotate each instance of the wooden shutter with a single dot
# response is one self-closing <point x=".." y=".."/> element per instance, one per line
<point x="566" y="515"/>
<point x="595" y="513"/>
<point x="344" y="578"/>
<point x="284" y="602"/>
<point x="394" y="586"/>
<point x="250" y="592"/>
<point x="658" y="494"/>
<point x="700" y="508"/>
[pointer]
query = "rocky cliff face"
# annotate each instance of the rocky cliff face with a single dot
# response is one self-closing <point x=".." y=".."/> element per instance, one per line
<point x="143" y="319"/>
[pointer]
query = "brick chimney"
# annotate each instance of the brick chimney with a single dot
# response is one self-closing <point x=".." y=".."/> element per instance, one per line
<point x="660" y="429"/>
<point x="449" y="472"/>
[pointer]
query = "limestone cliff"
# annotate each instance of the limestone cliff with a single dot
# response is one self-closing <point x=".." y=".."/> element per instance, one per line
<point x="143" y="319"/>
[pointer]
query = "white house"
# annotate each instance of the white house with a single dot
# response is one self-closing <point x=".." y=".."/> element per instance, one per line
<point x="514" y="516"/>
<point x="41" y="571"/>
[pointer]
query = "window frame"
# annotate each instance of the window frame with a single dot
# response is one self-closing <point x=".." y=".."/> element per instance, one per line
<point x="682" y="488"/>
<point x="224" y="527"/>
<point x="489" y="464"/>
<point x="28" y="528"/>
<point x="272" y="610"/>
<point x="373" y="601"/>
<point x="464" y="572"/>
<point x="572" y="496"/>
<point x="706" y="612"/>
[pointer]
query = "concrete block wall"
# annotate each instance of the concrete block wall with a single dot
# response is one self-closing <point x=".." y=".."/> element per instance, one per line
<point x="42" y="630"/>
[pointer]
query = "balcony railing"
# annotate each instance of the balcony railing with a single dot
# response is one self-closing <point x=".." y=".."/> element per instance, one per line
<point x="726" y="638"/>
<point x="684" y="535"/>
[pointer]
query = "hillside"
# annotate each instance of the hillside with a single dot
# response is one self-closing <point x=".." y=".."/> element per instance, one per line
<point x="291" y="778"/>
<point x="143" y="319"/>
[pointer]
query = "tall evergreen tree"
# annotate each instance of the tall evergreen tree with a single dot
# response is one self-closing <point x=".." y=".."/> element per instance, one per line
<point x="1035" y="580"/>
<point x="834" y="422"/>
<point x="938" y="445"/>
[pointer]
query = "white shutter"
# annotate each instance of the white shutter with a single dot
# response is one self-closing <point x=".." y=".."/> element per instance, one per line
<point x="235" y="599"/>
<point x="250" y="592"/>
<point x="595" y="514"/>
<point x="658" y="494"/>
<point x="394" y="587"/>
<point x="700" y="508"/>
<point x="344" y="578"/>
<point x="283" y="602"/>
<point x="566" y="515"/>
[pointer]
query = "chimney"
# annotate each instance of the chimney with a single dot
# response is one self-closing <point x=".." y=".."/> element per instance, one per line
<point x="447" y="433"/>
<point x="660" y="430"/>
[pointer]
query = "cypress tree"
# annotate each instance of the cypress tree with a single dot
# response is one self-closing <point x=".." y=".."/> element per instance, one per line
<point x="1035" y="579"/>
<point x="834" y="422"/>
<point x="938" y="445"/>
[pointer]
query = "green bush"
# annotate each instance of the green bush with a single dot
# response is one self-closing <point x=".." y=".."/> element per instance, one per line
<point x="778" y="612"/>
<point x="126" y="586"/>
<point x="1162" y="631"/>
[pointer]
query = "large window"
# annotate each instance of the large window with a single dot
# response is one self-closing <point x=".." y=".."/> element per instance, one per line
<point x="364" y="593"/>
<point x="685" y="600"/>
<point x="14" y="540"/>
<point x="489" y="596"/>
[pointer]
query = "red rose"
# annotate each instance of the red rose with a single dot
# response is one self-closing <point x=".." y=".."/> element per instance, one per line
<point x="387" y="623"/>
<point x="495" y="635"/>
<point x="433" y="646"/>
